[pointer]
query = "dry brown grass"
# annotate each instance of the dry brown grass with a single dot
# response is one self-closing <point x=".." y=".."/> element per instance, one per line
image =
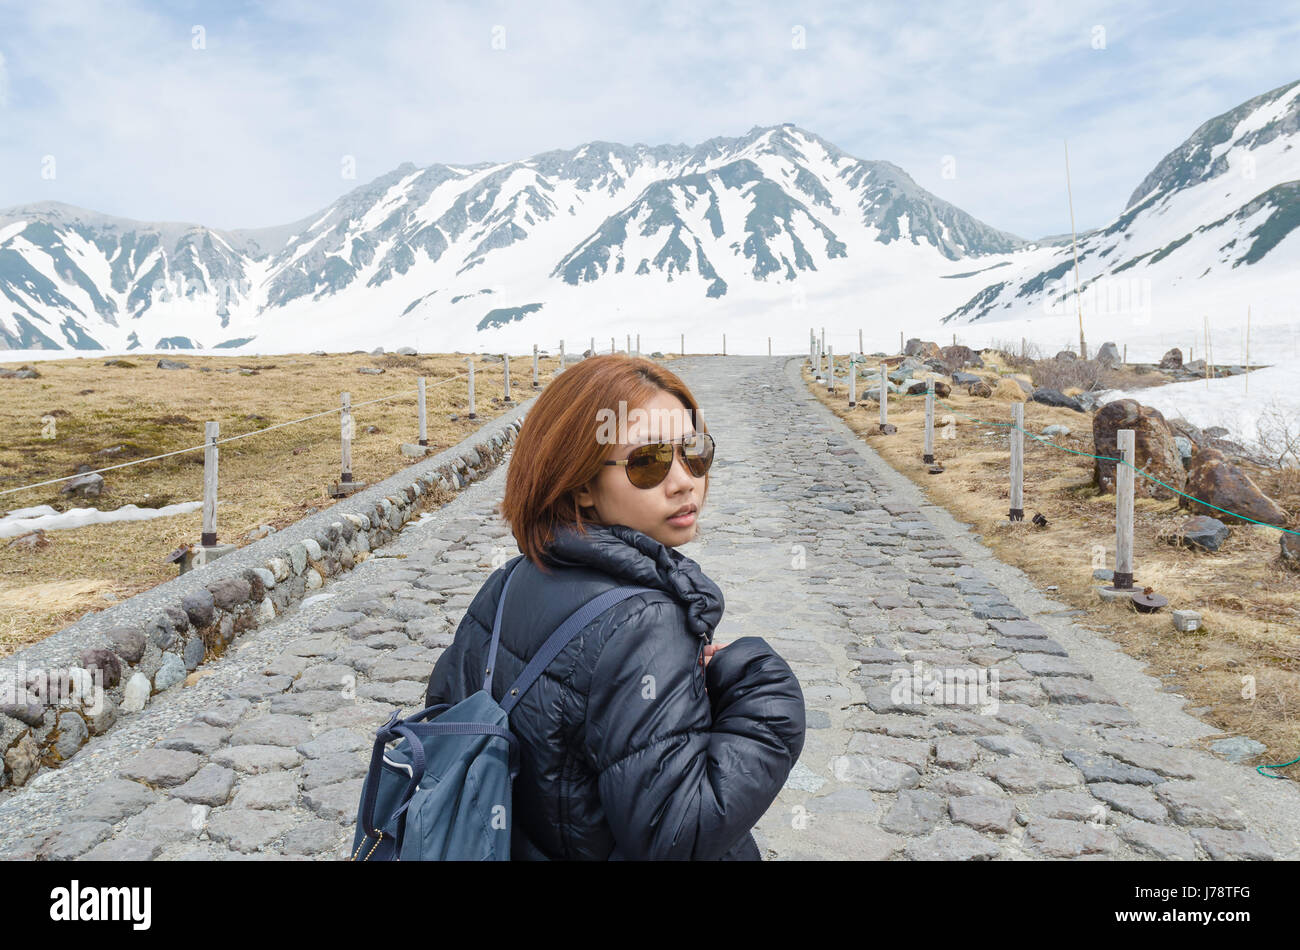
<point x="1249" y="603"/>
<point x="273" y="478"/>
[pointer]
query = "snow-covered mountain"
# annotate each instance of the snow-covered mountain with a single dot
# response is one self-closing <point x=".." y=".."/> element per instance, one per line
<point x="448" y="253"/>
<point x="767" y="233"/>
<point x="1212" y="228"/>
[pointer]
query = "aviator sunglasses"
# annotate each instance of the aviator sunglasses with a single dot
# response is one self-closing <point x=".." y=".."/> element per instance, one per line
<point x="649" y="464"/>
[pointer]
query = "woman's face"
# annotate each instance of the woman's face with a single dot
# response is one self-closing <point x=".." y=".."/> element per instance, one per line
<point x="649" y="510"/>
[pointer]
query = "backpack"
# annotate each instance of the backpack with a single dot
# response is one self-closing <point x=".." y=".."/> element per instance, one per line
<point x="443" y="793"/>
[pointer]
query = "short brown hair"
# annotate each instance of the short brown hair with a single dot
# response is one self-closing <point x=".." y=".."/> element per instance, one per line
<point x="557" y="450"/>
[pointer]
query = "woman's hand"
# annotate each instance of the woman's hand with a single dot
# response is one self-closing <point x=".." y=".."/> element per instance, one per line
<point x="709" y="650"/>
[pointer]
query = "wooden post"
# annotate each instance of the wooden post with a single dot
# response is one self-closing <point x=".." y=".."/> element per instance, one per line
<point x="769" y="346"/>
<point x="928" y="456"/>
<point x="534" y="365"/>
<point x="853" y="381"/>
<point x="900" y="341"/>
<point x="1017" y="512"/>
<point x="424" y="428"/>
<point x="859" y="339"/>
<point x="470" y="361"/>
<point x="724" y="344"/>
<point x="505" y="365"/>
<point x="683" y="344"/>
<point x="830" y="373"/>
<point x="638" y="344"/>
<point x="954" y="339"/>
<point x="884" y="397"/>
<point x="345" y="424"/>
<point x="611" y="346"/>
<point x="823" y="344"/>
<point x="1126" y="441"/>
<point x="1124" y="361"/>
<point x="559" y="369"/>
<point x="593" y="346"/>
<point x="211" y="431"/>
<point x="629" y="344"/>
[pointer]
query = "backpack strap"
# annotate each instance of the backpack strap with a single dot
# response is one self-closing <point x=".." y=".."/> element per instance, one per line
<point x="496" y="626"/>
<point x="558" y="640"/>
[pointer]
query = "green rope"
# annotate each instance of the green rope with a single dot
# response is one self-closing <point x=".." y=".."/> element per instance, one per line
<point x="1260" y="768"/>
<point x="1107" y="458"/>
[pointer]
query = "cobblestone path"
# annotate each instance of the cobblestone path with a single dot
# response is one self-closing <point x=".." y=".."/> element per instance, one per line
<point x="821" y="549"/>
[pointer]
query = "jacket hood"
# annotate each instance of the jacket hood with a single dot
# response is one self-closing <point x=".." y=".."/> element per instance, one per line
<point x="636" y="557"/>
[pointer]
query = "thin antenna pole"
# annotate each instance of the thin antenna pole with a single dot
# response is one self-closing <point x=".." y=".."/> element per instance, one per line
<point x="1083" y="347"/>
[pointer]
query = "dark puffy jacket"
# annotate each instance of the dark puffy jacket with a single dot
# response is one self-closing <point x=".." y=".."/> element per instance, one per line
<point x="619" y="740"/>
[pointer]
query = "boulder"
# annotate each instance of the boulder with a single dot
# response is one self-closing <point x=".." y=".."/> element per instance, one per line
<point x="1154" y="448"/>
<point x="1065" y="356"/>
<point x="941" y="389"/>
<point x="922" y="348"/>
<point x="964" y="379"/>
<point x="1053" y="431"/>
<point x="1054" y="397"/>
<point x="172" y="364"/>
<point x="370" y="370"/>
<point x="1213" y="479"/>
<point x="30" y="541"/>
<point x="1204" y="532"/>
<point x="980" y="389"/>
<point x="86" y="486"/>
<point x="1109" y="357"/>
<point x="406" y="351"/>
<point x="1290" y="550"/>
<point x="959" y="357"/>
<point x="1172" y="360"/>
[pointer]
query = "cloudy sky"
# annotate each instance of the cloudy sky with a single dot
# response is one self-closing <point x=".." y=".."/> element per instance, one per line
<point x="242" y="114"/>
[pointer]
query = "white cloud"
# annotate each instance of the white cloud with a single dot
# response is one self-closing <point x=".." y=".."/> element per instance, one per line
<point x="251" y="130"/>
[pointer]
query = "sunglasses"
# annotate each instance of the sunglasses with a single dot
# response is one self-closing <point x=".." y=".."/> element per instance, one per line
<point x="649" y="464"/>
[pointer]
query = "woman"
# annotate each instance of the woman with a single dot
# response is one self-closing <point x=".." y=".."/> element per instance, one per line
<point x="641" y="734"/>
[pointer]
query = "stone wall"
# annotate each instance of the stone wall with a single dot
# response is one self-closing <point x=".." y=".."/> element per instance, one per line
<point x="150" y="643"/>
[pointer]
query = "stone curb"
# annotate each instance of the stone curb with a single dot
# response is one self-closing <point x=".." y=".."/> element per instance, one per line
<point x="150" y="642"/>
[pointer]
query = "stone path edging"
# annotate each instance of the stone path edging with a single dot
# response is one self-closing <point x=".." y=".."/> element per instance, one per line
<point x="149" y="643"/>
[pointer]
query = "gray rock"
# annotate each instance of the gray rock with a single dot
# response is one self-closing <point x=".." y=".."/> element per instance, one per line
<point x="211" y="785"/>
<point x="269" y="790"/>
<point x="200" y="737"/>
<point x="1102" y="768"/>
<point x="114" y="799"/>
<point x="1131" y="800"/>
<point x="1168" y="844"/>
<point x="916" y="812"/>
<point x="161" y="768"/>
<point x="277" y="729"/>
<point x="69" y="735"/>
<point x="124" y="849"/>
<point x="126" y="642"/>
<point x="983" y="813"/>
<point x="337" y="802"/>
<point x="1223" y="845"/>
<point x="69" y="841"/>
<point x="170" y="673"/>
<point x="247" y="830"/>
<point x="199" y="607"/>
<point x="1194" y="804"/>
<point x="256" y="759"/>
<point x="952" y="844"/>
<point x="1238" y="748"/>
<point x="1058" y="838"/>
<point x="230" y="592"/>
